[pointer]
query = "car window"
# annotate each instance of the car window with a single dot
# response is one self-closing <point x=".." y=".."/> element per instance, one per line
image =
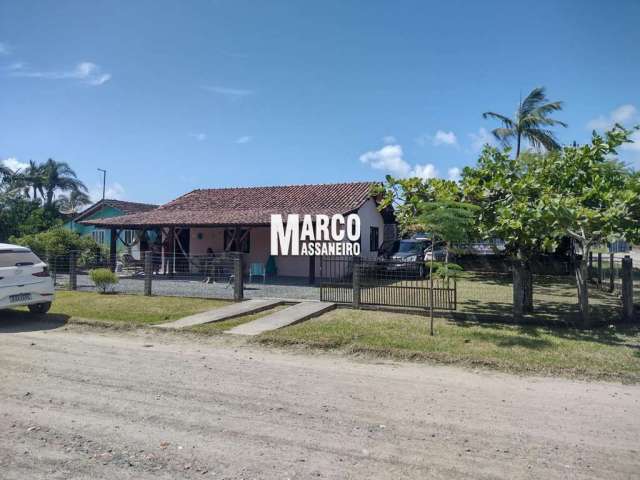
<point x="17" y="258"/>
<point x="405" y="247"/>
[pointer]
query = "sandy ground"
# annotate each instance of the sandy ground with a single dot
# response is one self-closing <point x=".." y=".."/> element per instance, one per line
<point x="83" y="403"/>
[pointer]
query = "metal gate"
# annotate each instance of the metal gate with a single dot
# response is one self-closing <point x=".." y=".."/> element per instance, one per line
<point x="383" y="282"/>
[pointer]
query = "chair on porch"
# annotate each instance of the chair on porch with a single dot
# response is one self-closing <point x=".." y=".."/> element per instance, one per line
<point x="257" y="270"/>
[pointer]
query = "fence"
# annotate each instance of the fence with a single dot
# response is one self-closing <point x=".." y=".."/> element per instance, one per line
<point x="361" y="281"/>
<point x="208" y="276"/>
<point x="473" y="294"/>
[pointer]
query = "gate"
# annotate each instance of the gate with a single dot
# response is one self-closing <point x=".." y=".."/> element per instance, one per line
<point x="383" y="282"/>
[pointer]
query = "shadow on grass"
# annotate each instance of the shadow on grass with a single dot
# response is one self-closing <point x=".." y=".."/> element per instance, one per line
<point x="529" y="335"/>
<point x="15" y="321"/>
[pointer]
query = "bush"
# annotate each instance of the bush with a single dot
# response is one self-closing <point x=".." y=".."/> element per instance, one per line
<point x="103" y="278"/>
<point x="58" y="242"/>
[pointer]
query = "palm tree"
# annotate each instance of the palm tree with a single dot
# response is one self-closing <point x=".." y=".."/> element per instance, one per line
<point x="31" y="179"/>
<point x="73" y="202"/>
<point x="59" y="176"/>
<point x="531" y="122"/>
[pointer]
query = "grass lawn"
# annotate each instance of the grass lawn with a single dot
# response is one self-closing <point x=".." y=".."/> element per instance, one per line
<point x="219" y="327"/>
<point x="612" y="354"/>
<point x="555" y="298"/>
<point x="117" y="309"/>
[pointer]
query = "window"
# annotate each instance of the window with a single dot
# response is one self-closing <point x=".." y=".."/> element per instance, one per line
<point x="17" y="258"/>
<point x="129" y="236"/>
<point x="374" y="239"/>
<point x="237" y="240"/>
<point x="98" y="236"/>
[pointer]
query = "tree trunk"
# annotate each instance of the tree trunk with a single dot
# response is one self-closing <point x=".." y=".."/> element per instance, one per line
<point x="528" y="287"/>
<point x="582" y="279"/>
<point x="518" y="146"/>
<point x="518" y="290"/>
<point x="522" y="287"/>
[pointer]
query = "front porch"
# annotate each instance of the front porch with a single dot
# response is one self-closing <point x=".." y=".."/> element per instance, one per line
<point x="202" y="253"/>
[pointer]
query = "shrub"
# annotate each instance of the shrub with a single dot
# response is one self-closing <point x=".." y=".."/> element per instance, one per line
<point x="103" y="278"/>
<point x="58" y="242"/>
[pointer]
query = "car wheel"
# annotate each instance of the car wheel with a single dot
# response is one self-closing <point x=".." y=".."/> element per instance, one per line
<point x="40" y="307"/>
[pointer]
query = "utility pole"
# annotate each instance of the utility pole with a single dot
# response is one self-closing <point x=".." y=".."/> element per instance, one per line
<point x="104" y="180"/>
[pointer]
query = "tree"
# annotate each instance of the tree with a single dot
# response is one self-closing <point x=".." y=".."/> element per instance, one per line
<point x="31" y="180"/>
<point x="59" y="176"/>
<point x="593" y="198"/>
<point x="71" y="204"/>
<point x="408" y="196"/>
<point x="450" y="221"/>
<point x="511" y="208"/>
<point x="531" y="122"/>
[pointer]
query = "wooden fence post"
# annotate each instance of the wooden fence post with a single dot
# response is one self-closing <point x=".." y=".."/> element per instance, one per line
<point x="612" y="272"/>
<point x="238" y="278"/>
<point x="51" y="261"/>
<point x="600" y="276"/>
<point x="356" y="282"/>
<point x="148" y="272"/>
<point x="73" y="272"/>
<point x="627" y="289"/>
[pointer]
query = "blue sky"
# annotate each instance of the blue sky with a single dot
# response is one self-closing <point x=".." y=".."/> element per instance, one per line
<point x="172" y="96"/>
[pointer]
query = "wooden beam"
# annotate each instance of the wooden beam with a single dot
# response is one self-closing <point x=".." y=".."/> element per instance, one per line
<point x="112" y="248"/>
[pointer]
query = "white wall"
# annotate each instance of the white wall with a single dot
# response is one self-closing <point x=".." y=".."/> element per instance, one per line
<point x="369" y="217"/>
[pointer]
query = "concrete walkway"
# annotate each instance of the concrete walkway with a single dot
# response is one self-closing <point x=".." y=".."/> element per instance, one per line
<point x="223" y="313"/>
<point x="288" y="316"/>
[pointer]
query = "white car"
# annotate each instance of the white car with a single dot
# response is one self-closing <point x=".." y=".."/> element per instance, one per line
<point x="24" y="279"/>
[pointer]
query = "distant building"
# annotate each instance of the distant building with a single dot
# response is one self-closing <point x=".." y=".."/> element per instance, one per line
<point x="106" y="209"/>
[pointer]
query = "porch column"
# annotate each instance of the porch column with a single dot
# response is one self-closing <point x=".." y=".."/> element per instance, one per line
<point x="172" y="254"/>
<point x="312" y="269"/>
<point x="112" y="249"/>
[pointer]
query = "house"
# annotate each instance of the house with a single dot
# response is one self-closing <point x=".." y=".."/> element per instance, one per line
<point x="238" y="220"/>
<point x="109" y="208"/>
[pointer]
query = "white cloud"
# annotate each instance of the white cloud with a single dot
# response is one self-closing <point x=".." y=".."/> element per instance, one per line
<point x="389" y="159"/>
<point x="114" y="191"/>
<point x="14" y="164"/>
<point x="86" y="72"/>
<point x="622" y="115"/>
<point x="389" y="139"/>
<point x="454" y="174"/>
<point x="201" y="137"/>
<point x="480" y="138"/>
<point x="5" y="49"/>
<point x="635" y="146"/>
<point x="230" y="92"/>
<point x="244" y="139"/>
<point x="440" y="138"/>
<point x="445" y="138"/>
<point x="424" y="171"/>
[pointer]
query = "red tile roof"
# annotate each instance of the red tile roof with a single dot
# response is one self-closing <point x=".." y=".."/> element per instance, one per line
<point x="247" y="206"/>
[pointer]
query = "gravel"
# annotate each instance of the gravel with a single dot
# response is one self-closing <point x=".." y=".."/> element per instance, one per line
<point x="90" y="403"/>
<point x="197" y="288"/>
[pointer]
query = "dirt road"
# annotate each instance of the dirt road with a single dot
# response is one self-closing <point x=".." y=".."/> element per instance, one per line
<point x="86" y="403"/>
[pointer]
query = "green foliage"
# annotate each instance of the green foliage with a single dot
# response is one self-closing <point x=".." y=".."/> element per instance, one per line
<point x="48" y="179"/>
<point x="21" y="216"/>
<point x="408" y="196"/>
<point x="448" y="220"/>
<point x="531" y="121"/>
<point x="58" y="242"/>
<point x="447" y="270"/>
<point x="591" y="196"/>
<point x="103" y="278"/>
<point x="511" y="201"/>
